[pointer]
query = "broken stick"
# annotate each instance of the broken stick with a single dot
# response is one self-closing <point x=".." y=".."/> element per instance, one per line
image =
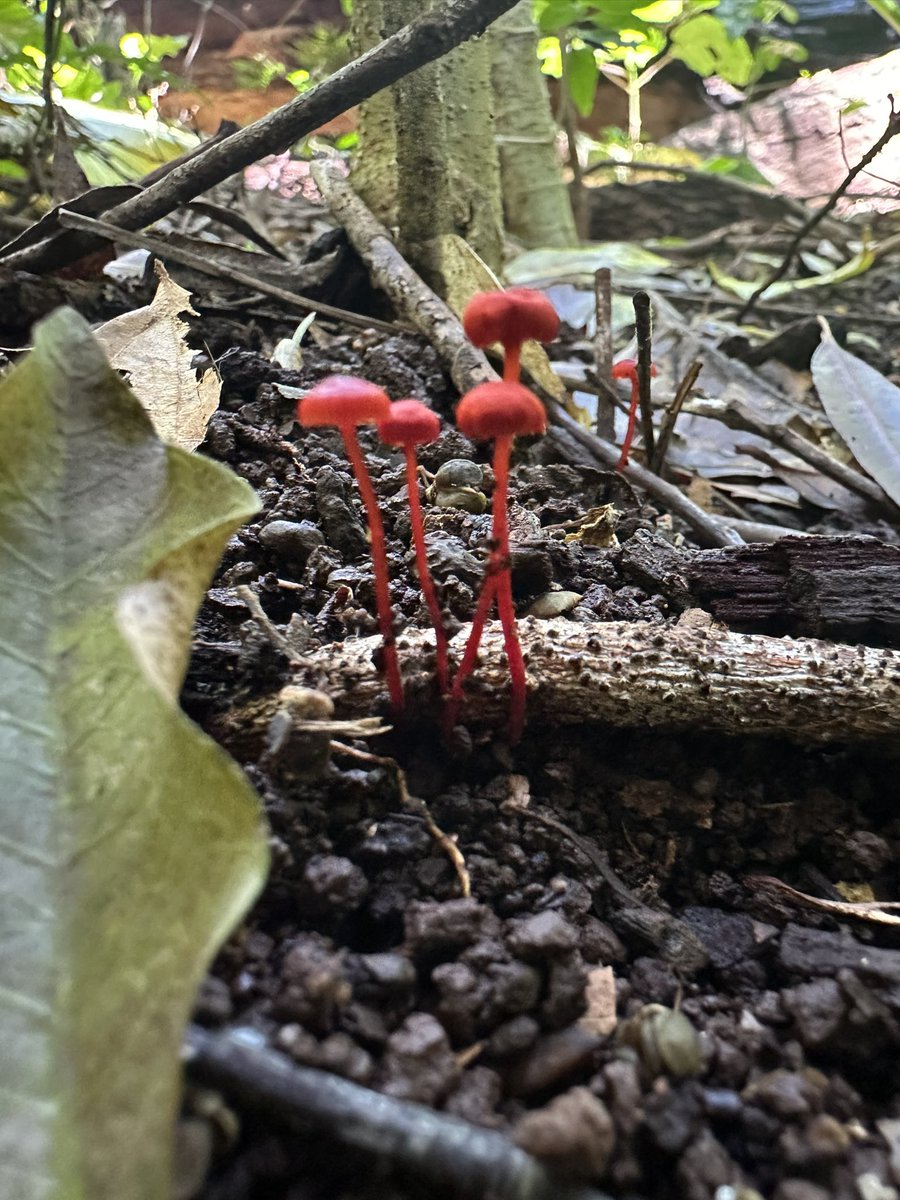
<point x="628" y="674"/>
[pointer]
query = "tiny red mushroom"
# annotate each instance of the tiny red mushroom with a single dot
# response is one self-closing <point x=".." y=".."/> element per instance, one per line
<point x="346" y="402"/>
<point x="627" y="368"/>
<point x="499" y="411"/>
<point x="409" y="424"/>
<point x="511" y="318"/>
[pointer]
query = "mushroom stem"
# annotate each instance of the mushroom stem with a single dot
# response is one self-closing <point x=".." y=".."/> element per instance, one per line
<point x="379" y="566"/>
<point x="512" y="362"/>
<point x="629" y="432"/>
<point x="425" y="580"/>
<point x="497" y="584"/>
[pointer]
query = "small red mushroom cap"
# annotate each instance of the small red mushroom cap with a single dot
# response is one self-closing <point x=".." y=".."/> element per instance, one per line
<point x="510" y="317"/>
<point x="500" y="409"/>
<point x="409" y="423"/>
<point x="626" y="368"/>
<point x="345" y="401"/>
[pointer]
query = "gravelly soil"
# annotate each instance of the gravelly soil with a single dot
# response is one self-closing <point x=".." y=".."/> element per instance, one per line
<point x="599" y="860"/>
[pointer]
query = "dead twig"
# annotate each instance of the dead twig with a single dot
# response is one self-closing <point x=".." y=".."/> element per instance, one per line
<point x="807" y="690"/>
<point x="603" y="354"/>
<point x="710" y="531"/>
<point x="437" y="1148"/>
<point x="643" y="334"/>
<point x="415" y="805"/>
<point x="737" y="415"/>
<point x="670" y="416"/>
<point x="891" y="131"/>
<point x="187" y="258"/>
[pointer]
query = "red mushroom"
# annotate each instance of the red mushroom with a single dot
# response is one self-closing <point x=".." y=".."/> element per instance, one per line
<point x="498" y="411"/>
<point x="345" y="401"/>
<point x="627" y="368"/>
<point x="511" y="318"/>
<point x="410" y="424"/>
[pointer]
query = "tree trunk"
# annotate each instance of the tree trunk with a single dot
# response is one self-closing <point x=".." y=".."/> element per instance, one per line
<point x="535" y="200"/>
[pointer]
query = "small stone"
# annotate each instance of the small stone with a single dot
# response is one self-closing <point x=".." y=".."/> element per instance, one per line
<point x="546" y="935"/>
<point x="513" y="1037"/>
<point x="574" y="1132"/>
<point x="292" y="541"/>
<point x="552" y="604"/>
<point x="433" y="929"/>
<point x="418" y="1063"/>
<point x="800" y="1189"/>
<point x="818" y="1009"/>
<point x="331" y="883"/>
<point x="788" y="1094"/>
<point x="553" y="1060"/>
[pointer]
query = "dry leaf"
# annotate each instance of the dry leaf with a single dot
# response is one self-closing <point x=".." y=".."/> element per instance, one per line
<point x="864" y="408"/>
<point x="149" y="346"/>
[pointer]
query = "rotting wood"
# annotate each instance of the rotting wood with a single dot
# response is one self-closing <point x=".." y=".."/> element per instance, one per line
<point x="846" y="588"/>
<point x="427" y="38"/>
<point x="628" y="674"/>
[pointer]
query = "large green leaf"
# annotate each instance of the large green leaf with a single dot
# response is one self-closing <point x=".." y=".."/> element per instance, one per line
<point x="129" y="843"/>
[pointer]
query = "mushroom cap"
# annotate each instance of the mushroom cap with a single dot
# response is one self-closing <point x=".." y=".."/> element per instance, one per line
<point x="345" y="401"/>
<point x="626" y="368"/>
<point x="409" y="423"/>
<point x="500" y="409"/>
<point x="510" y="317"/>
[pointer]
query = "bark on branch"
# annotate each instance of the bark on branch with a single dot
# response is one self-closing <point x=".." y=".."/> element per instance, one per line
<point x="627" y="674"/>
<point x="422" y="41"/>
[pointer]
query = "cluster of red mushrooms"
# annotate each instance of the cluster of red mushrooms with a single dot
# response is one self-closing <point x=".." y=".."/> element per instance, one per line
<point x="497" y="411"/>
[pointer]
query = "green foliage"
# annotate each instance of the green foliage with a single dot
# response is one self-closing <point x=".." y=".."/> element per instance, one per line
<point x="112" y="75"/>
<point x="889" y="11"/>
<point x="634" y="36"/>
<point x="129" y="843"/>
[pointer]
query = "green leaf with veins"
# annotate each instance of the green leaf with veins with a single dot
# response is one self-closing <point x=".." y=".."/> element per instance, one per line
<point x="130" y="844"/>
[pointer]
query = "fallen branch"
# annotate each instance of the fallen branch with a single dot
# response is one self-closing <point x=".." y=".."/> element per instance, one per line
<point x="440" y="1149"/>
<point x="427" y="38"/>
<point x="629" y="674"/>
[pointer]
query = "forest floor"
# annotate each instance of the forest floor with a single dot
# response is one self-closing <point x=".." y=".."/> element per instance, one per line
<point x="611" y="869"/>
<point x="633" y="993"/>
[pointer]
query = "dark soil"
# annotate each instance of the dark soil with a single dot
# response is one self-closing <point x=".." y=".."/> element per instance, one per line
<point x="640" y="852"/>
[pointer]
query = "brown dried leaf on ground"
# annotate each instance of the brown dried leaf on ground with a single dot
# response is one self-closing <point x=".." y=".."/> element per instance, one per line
<point x="149" y="346"/>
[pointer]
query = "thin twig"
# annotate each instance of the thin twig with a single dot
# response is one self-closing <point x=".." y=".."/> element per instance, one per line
<point x="419" y="807"/>
<point x="739" y="416"/>
<point x="603" y="354"/>
<point x="891" y="130"/>
<point x="643" y="333"/>
<point x="670" y="416"/>
<point x="708" y="529"/>
<point x="439" y="1149"/>
<point x="196" y="262"/>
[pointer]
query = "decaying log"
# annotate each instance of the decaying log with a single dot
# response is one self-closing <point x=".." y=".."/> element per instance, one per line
<point x="628" y="674"/>
<point x="846" y="588"/>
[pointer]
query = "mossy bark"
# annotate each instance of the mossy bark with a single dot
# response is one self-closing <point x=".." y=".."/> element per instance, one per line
<point x="474" y="163"/>
<point x="535" y="200"/>
<point x="427" y="163"/>
<point x="375" y="170"/>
